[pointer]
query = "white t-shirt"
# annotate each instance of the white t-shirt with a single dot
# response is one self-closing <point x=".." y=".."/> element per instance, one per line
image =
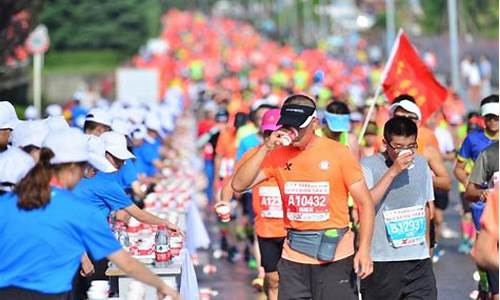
<point x="445" y="140"/>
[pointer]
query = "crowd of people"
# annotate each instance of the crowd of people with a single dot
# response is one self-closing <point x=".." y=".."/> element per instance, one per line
<point x="320" y="209"/>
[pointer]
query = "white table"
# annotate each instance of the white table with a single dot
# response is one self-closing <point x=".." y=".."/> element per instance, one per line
<point x="170" y="275"/>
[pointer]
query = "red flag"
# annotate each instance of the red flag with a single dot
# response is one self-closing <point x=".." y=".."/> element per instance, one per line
<point x="406" y="73"/>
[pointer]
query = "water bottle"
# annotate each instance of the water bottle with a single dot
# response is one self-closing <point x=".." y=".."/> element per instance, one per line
<point x="122" y="236"/>
<point x="162" y="247"/>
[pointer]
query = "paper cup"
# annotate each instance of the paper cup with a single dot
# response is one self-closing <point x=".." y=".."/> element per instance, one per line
<point x="224" y="212"/>
<point x="410" y="166"/>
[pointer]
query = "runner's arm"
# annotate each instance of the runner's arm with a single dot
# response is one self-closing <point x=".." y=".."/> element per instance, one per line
<point x="249" y="173"/>
<point x="486" y="250"/>
<point x="474" y="192"/>
<point x="442" y="179"/>
<point x="460" y="172"/>
<point x="360" y="194"/>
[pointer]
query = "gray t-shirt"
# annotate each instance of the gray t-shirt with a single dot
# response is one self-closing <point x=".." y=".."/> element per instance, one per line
<point x="400" y="226"/>
<point x="485" y="166"/>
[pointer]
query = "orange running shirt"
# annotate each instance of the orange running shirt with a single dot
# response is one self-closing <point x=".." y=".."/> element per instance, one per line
<point x="314" y="185"/>
<point x="426" y="137"/>
<point x="226" y="148"/>
<point x="267" y="205"/>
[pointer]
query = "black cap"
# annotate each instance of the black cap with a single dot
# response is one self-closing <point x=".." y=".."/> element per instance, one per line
<point x="222" y="116"/>
<point x="295" y="115"/>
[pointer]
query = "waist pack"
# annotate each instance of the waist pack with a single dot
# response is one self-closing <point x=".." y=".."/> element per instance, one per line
<point x="317" y="244"/>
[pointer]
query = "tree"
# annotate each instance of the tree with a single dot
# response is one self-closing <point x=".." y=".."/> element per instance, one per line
<point x="101" y="24"/>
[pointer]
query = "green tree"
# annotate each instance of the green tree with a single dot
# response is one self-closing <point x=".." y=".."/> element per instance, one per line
<point x="101" y="24"/>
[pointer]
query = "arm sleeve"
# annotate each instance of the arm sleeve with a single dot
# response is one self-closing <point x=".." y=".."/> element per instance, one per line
<point x="115" y="196"/>
<point x="98" y="238"/>
<point x="479" y="173"/>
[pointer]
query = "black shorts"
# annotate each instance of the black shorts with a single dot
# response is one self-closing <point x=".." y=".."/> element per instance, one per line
<point x="319" y="282"/>
<point x="413" y="279"/>
<point x="441" y="199"/>
<point x="14" y="293"/>
<point x="493" y="281"/>
<point x="270" y="253"/>
<point x="465" y="203"/>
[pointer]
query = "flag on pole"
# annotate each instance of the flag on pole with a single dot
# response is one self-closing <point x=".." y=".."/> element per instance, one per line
<point x="406" y="73"/>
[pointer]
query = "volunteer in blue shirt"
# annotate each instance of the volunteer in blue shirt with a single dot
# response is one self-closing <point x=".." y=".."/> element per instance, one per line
<point x="148" y="153"/>
<point x="104" y="190"/>
<point x="45" y="229"/>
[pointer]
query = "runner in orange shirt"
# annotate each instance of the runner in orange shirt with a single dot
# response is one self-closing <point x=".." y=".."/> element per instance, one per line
<point x="268" y="211"/>
<point x="314" y="176"/>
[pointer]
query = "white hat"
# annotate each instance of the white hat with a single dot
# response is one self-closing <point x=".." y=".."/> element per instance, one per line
<point x="29" y="133"/>
<point x="54" y="110"/>
<point x="14" y="165"/>
<point x="491" y="108"/>
<point x="139" y="132"/>
<point x="121" y="126"/>
<point x="153" y="123"/>
<point x="69" y="145"/>
<point x="31" y="113"/>
<point x="97" y="155"/>
<point x="8" y="116"/>
<point x="116" y="144"/>
<point x="408" y="106"/>
<point x="98" y="116"/>
<point x="56" y="123"/>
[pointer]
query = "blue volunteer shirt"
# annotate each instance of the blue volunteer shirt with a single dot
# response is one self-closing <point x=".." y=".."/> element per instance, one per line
<point x="128" y="173"/>
<point x="146" y="154"/>
<point x="40" y="249"/>
<point x="474" y="143"/>
<point x="104" y="192"/>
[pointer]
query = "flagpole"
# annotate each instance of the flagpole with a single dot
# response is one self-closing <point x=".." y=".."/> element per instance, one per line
<point x="369" y="114"/>
<point x="378" y="90"/>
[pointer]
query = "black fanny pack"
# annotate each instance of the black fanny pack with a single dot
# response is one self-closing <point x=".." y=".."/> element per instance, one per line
<point x="317" y="244"/>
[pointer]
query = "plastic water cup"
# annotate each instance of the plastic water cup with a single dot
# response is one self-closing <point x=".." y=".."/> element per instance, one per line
<point x="224" y="212"/>
<point x="410" y="166"/>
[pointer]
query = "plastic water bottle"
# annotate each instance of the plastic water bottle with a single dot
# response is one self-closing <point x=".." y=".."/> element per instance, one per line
<point x="162" y="247"/>
<point x="122" y="235"/>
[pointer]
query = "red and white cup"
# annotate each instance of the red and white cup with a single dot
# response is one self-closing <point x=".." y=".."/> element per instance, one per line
<point x="224" y="213"/>
<point x="289" y="137"/>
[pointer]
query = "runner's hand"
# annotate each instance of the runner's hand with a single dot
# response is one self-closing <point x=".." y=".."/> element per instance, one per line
<point x="166" y="292"/>
<point x="401" y="163"/>
<point x="484" y="195"/>
<point x="176" y="229"/>
<point x="363" y="264"/>
<point x="274" y="140"/>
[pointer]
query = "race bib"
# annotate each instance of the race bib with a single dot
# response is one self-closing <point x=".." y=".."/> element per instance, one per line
<point x="307" y="201"/>
<point x="270" y="202"/>
<point x="406" y="226"/>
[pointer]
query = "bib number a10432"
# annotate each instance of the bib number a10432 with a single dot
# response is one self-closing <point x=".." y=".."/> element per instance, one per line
<point x="307" y="201"/>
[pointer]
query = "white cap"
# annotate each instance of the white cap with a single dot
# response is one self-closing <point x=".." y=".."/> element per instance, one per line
<point x="490" y="108"/>
<point x="69" y="145"/>
<point x="97" y="155"/>
<point x="31" y="113"/>
<point x="29" y="133"/>
<point x="139" y="132"/>
<point x="136" y="115"/>
<point x="56" y="123"/>
<point x="408" y="106"/>
<point x="153" y="123"/>
<point x="99" y="116"/>
<point x="8" y="116"/>
<point x="54" y="110"/>
<point x="121" y="126"/>
<point x="14" y="165"/>
<point x="116" y="144"/>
